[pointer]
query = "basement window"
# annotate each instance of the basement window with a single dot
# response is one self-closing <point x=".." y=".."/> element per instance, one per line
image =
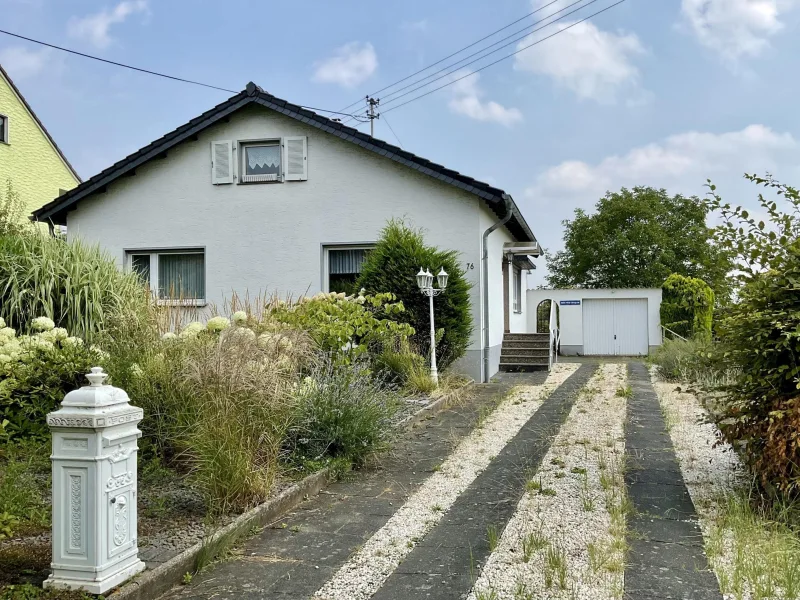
<point x="175" y="276"/>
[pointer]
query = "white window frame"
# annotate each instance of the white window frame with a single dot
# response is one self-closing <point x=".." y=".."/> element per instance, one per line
<point x="154" y="254"/>
<point x="517" y="288"/>
<point x="241" y="147"/>
<point x="6" y="121"/>
<point x="326" y="248"/>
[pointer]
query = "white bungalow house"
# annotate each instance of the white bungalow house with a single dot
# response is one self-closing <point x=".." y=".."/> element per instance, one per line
<point x="258" y="195"/>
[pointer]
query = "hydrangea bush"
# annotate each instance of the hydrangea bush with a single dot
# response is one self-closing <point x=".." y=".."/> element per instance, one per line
<point x="37" y="370"/>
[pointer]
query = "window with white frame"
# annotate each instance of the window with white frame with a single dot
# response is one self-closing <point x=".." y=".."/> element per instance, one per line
<point x="343" y="266"/>
<point x="261" y="161"/>
<point x="4" y="129"/>
<point x="173" y="275"/>
<point x="517" y="290"/>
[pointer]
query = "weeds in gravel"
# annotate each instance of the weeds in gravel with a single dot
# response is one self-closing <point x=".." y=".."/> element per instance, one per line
<point x="671" y="418"/>
<point x="531" y="544"/>
<point x="534" y="485"/>
<point x="486" y="595"/>
<point x="587" y="500"/>
<point x="578" y="470"/>
<point x="624" y="392"/>
<point x="548" y="492"/>
<point x="521" y="592"/>
<point x="555" y="567"/>
<point x="764" y="551"/>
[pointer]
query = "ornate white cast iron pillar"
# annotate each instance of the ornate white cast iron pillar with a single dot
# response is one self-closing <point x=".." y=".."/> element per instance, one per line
<point x="95" y="437"/>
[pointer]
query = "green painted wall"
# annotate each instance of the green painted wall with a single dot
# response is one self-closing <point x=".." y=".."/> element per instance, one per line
<point x="34" y="166"/>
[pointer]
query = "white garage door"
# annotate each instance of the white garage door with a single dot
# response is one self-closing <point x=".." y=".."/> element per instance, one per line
<point x="615" y="327"/>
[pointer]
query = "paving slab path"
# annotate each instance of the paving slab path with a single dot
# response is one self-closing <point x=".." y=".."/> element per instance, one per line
<point x="666" y="559"/>
<point x="293" y="559"/>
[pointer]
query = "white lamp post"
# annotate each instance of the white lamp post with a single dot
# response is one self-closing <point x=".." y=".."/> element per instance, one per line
<point x="425" y="283"/>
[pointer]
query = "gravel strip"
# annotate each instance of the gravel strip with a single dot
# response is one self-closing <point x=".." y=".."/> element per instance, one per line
<point x="712" y="472"/>
<point x="561" y="541"/>
<point x="368" y="569"/>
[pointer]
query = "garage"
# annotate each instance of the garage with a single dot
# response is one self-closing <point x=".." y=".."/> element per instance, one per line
<point x="600" y="322"/>
<point x="615" y="327"/>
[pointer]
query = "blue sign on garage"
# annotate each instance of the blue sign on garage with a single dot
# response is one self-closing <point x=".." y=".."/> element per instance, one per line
<point x="570" y="302"/>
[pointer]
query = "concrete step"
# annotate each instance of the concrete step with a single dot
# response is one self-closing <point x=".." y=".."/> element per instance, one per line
<point x="523" y="358"/>
<point x="526" y="352"/>
<point x="522" y="367"/>
<point x="527" y="344"/>
<point x="526" y="337"/>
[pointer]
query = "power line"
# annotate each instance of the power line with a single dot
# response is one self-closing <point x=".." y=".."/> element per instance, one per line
<point x="149" y="72"/>
<point x="419" y="87"/>
<point x="497" y="42"/>
<point x="504" y="57"/>
<point x="399" y="143"/>
<point x="457" y="52"/>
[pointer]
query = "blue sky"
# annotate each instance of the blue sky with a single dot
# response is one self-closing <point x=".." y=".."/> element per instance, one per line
<point x="652" y="92"/>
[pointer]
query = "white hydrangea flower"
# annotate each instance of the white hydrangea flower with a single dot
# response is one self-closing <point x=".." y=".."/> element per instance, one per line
<point x="169" y="336"/>
<point x="244" y="333"/>
<point x="192" y="329"/>
<point x="136" y="370"/>
<point x="2" y="322"/>
<point x="7" y="332"/>
<point x="239" y="317"/>
<point x="100" y="353"/>
<point x="59" y="333"/>
<point x="42" y="324"/>
<point x="264" y="340"/>
<point x="218" y="324"/>
<point x="72" y="341"/>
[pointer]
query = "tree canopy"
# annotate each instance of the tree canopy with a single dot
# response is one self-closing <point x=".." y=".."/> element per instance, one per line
<point x="637" y="238"/>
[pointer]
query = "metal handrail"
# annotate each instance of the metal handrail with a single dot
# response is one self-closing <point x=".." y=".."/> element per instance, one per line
<point x="680" y="337"/>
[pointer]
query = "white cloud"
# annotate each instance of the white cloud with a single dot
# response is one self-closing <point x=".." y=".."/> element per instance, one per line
<point x="95" y="28"/>
<point x="350" y="65"/>
<point x="735" y="28"/>
<point x="22" y="63"/>
<point x="420" y="26"/>
<point x="593" y="63"/>
<point x="467" y="101"/>
<point x="684" y="161"/>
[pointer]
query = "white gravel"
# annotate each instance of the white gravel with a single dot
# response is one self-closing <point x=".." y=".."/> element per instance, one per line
<point x="369" y="568"/>
<point x="712" y="472"/>
<point x="569" y="513"/>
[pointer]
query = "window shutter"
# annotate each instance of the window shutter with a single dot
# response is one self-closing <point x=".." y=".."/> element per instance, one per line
<point x="222" y="162"/>
<point x="296" y="149"/>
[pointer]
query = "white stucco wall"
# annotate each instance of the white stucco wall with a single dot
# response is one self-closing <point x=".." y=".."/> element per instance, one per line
<point x="571" y="316"/>
<point x="268" y="238"/>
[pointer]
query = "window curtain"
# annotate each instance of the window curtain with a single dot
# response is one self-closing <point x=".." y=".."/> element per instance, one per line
<point x="182" y="276"/>
<point x="345" y="262"/>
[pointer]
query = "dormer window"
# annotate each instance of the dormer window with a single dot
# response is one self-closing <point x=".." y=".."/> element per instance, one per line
<point x="261" y="162"/>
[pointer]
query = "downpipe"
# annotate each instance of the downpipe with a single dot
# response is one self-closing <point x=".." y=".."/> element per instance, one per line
<point x="485" y="272"/>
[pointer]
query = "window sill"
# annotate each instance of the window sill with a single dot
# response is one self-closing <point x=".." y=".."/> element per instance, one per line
<point x="195" y="303"/>
<point x="517" y="312"/>
<point x="259" y="182"/>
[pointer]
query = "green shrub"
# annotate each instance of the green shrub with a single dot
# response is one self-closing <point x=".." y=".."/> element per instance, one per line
<point x="78" y="286"/>
<point x="346" y="326"/>
<point x="341" y="413"/>
<point x="24" y="486"/>
<point x="392" y="267"/>
<point x="687" y="306"/>
<point x="693" y="361"/>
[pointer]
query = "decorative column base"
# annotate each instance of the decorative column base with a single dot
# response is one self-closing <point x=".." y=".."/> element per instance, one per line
<point x="60" y="579"/>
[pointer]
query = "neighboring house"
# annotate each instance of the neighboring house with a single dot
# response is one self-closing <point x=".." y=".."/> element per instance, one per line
<point x="600" y="322"/>
<point x="258" y="195"/>
<point x="29" y="157"/>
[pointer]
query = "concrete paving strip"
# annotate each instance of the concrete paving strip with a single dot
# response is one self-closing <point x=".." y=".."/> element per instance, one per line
<point x="568" y="515"/>
<point x="366" y="571"/>
<point x="666" y="558"/>
<point x="448" y="560"/>
<point x="296" y="556"/>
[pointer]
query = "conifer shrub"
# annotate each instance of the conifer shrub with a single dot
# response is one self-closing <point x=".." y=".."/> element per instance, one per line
<point x="392" y="267"/>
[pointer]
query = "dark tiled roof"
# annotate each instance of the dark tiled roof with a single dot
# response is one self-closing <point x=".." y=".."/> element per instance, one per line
<point x="56" y="210"/>
<point x="38" y="122"/>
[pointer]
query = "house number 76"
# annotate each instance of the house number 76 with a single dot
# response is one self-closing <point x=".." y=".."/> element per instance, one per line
<point x="470" y="266"/>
